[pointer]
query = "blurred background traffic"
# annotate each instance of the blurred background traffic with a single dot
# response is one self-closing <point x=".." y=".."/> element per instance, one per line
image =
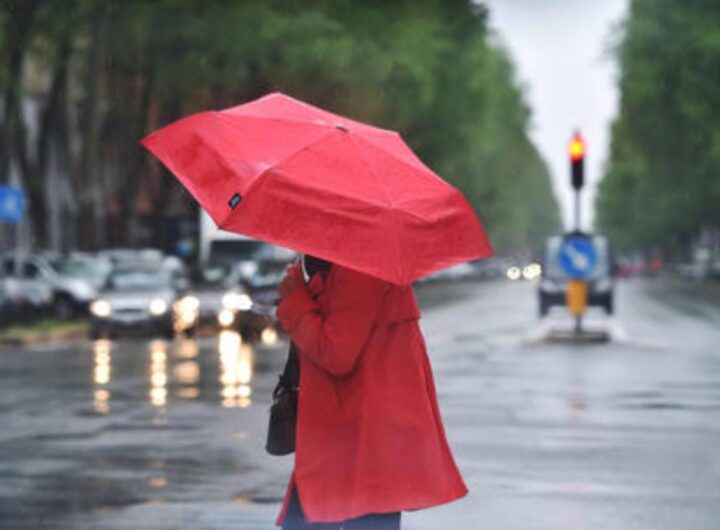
<point x="90" y="219"/>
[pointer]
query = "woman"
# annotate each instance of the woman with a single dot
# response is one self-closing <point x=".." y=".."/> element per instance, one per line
<point x="370" y="442"/>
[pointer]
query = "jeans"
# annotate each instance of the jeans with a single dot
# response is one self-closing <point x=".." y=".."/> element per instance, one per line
<point x="295" y="520"/>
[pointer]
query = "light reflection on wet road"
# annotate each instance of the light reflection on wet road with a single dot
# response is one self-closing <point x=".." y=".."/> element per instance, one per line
<point x="96" y="425"/>
<point x="175" y="366"/>
<point x="162" y="434"/>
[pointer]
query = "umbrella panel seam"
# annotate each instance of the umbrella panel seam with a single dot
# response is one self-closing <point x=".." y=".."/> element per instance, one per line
<point x="262" y="176"/>
<point x="379" y="180"/>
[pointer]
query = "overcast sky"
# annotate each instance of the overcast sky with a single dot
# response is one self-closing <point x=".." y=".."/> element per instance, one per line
<point x="561" y="49"/>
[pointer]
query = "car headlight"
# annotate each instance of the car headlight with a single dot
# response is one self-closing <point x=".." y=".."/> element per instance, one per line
<point x="236" y="301"/>
<point x="158" y="306"/>
<point x="514" y="273"/>
<point x="269" y="336"/>
<point x="226" y="317"/>
<point x="101" y="308"/>
<point x="532" y="271"/>
<point x="188" y="304"/>
<point x="186" y="310"/>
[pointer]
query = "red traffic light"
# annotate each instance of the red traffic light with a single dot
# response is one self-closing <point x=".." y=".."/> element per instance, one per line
<point x="577" y="160"/>
<point x="577" y="148"/>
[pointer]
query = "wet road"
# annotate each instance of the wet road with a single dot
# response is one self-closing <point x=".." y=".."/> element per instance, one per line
<point x="549" y="435"/>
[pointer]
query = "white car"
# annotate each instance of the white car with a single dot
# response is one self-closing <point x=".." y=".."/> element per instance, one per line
<point x="138" y="298"/>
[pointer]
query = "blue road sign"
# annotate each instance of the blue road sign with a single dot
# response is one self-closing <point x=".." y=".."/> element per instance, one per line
<point x="12" y="204"/>
<point x="577" y="256"/>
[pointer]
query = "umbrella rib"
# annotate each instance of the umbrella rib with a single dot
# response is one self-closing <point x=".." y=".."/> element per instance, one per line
<point x="378" y="179"/>
<point x="332" y="130"/>
<point x="264" y="174"/>
<point x="423" y="166"/>
<point x="369" y="129"/>
<point x="389" y="205"/>
<point x="433" y="178"/>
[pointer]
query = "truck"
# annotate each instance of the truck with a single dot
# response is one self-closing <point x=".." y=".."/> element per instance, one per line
<point x="221" y="247"/>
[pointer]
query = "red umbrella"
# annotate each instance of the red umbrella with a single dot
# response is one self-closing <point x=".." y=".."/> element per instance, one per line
<point x="286" y="172"/>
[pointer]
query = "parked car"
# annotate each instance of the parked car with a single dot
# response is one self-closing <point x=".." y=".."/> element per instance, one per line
<point x="138" y="298"/>
<point x="29" y="293"/>
<point x="76" y="280"/>
<point x="73" y="280"/>
<point x="553" y="284"/>
<point x="91" y="267"/>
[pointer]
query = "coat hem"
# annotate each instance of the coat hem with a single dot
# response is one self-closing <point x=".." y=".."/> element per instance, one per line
<point x="409" y="507"/>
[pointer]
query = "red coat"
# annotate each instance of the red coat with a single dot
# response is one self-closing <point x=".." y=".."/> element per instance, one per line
<point x="369" y="434"/>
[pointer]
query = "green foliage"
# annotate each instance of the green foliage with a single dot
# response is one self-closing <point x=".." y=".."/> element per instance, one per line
<point x="662" y="184"/>
<point x="426" y="68"/>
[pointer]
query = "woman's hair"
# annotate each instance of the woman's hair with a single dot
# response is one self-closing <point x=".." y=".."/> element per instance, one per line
<point x="313" y="265"/>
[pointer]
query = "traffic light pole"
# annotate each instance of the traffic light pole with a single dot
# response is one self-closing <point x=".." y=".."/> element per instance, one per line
<point x="578" y="318"/>
<point x="577" y="175"/>
<point x="577" y="210"/>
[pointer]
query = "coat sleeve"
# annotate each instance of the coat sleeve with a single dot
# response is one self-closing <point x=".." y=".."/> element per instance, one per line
<point x="333" y="337"/>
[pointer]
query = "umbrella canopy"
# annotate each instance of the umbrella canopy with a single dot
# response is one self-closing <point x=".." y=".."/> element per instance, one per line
<point x="289" y="173"/>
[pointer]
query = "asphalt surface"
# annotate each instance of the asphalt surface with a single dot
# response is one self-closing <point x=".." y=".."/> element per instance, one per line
<point x="548" y="433"/>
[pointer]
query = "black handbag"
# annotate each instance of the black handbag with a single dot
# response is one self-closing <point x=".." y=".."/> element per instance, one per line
<point x="283" y="411"/>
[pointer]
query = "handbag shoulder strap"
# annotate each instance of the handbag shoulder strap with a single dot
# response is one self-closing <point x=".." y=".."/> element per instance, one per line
<point x="291" y="374"/>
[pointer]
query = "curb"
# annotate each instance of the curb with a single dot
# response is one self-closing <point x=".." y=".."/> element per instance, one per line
<point x="41" y="337"/>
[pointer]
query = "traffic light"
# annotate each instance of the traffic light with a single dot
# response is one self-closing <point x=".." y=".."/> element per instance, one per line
<point x="577" y="156"/>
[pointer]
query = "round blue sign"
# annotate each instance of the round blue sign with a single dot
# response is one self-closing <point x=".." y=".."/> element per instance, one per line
<point x="577" y="257"/>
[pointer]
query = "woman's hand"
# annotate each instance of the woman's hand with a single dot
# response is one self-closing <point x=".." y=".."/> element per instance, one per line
<point x="292" y="279"/>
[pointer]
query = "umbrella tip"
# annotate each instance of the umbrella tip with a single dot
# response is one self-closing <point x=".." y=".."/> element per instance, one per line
<point x="341" y="127"/>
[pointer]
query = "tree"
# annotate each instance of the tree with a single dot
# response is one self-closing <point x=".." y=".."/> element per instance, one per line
<point x="428" y="69"/>
<point x="661" y="187"/>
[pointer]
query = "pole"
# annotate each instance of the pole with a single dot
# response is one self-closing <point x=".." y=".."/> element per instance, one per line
<point x="577" y="210"/>
<point x="578" y="318"/>
<point x="577" y="178"/>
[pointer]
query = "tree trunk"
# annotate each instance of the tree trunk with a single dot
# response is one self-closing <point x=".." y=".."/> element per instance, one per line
<point x="87" y="183"/>
<point x="135" y="156"/>
<point x="50" y="129"/>
<point x="19" y="19"/>
<point x="162" y="184"/>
